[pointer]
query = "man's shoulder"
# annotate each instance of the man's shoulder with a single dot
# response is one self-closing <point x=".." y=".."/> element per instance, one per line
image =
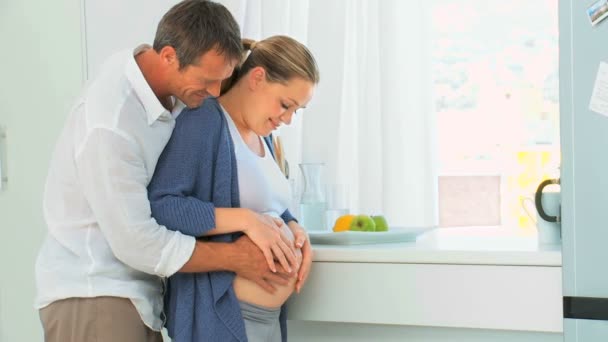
<point x="111" y="71"/>
<point x="110" y="93"/>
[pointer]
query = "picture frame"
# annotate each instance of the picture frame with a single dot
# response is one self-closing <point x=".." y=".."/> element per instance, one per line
<point x="597" y="12"/>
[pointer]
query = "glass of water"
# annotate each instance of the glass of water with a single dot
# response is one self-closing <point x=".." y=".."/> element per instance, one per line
<point x="337" y="204"/>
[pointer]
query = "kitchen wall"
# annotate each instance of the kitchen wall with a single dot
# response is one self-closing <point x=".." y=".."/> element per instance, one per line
<point x="41" y="68"/>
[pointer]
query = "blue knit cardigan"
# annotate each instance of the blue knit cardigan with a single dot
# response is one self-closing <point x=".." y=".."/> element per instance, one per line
<point x="196" y="173"/>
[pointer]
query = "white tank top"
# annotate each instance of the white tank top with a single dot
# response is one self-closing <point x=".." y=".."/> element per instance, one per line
<point x="262" y="186"/>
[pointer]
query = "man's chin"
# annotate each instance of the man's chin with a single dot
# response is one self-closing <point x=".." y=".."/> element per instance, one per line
<point x="193" y="104"/>
<point x="195" y="101"/>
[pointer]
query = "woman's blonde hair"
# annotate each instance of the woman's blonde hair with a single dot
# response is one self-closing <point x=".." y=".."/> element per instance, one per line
<point x="282" y="57"/>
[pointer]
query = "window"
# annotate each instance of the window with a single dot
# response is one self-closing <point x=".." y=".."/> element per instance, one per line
<point x="496" y="93"/>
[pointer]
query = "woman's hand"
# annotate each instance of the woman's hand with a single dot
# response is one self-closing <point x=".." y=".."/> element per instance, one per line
<point x="265" y="231"/>
<point x="303" y="242"/>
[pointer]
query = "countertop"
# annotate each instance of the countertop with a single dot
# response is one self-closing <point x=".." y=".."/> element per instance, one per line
<point x="462" y="245"/>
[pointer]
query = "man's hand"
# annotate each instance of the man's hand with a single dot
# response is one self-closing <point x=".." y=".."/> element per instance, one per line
<point x="303" y="242"/>
<point x="248" y="261"/>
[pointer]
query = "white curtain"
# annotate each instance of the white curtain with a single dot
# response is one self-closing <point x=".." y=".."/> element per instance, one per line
<point x="371" y="120"/>
<point x="259" y="19"/>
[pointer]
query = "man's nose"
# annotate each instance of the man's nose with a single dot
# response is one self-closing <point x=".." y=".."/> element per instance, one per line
<point x="214" y="88"/>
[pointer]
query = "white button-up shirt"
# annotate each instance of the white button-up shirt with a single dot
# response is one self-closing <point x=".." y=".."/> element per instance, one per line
<point x="102" y="240"/>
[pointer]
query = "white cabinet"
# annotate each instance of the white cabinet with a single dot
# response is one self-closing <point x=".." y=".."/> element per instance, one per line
<point x="416" y="292"/>
<point x="520" y="298"/>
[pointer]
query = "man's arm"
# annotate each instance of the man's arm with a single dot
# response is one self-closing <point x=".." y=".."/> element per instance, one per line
<point x="242" y="257"/>
<point x="113" y="175"/>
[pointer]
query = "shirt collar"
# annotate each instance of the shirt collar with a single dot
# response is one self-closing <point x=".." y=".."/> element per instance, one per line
<point x="154" y="109"/>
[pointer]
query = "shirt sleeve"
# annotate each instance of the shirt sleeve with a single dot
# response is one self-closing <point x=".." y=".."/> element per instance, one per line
<point x="287" y="216"/>
<point x="113" y="175"/>
<point x="184" y="166"/>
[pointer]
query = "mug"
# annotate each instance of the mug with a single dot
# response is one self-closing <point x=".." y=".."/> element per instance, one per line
<point x="549" y="231"/>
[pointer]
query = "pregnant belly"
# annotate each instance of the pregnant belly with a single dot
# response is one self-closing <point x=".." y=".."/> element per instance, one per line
<point x="250" y="292"/>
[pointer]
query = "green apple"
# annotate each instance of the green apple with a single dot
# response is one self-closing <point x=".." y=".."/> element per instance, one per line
<point x="381" y="224"/>
<point x="363" y="223"/>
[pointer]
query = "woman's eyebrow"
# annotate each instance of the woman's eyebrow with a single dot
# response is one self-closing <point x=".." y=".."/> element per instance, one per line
<point x="296" y="102"/>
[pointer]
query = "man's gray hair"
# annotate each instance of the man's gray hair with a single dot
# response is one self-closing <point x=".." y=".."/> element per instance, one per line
<point x="194" y="27"/>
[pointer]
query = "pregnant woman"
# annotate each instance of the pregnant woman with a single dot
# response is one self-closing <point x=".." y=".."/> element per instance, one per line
<point x="217" y="180"/>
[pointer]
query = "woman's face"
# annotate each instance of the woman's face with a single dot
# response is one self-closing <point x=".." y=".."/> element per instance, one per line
<point x="273" y="104"/>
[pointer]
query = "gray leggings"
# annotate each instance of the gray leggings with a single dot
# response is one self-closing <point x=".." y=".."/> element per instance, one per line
<point x="261" y="323"/>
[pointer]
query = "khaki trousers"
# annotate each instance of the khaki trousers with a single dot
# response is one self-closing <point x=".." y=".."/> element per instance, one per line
<point x="98" y="319"/>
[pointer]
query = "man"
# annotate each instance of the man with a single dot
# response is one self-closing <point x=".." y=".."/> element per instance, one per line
<point x="99" y="272"/>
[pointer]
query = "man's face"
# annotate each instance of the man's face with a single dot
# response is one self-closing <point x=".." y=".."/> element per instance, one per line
<point x="203" y="78"/>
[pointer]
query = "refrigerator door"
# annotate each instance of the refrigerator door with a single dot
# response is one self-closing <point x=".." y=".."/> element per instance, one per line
<point x="585" y="330"/>
<point x="584" y="175"/>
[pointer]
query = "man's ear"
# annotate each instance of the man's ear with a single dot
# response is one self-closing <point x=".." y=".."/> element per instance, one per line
<point x="168" y="57"/>
<point x="257" y="76"/>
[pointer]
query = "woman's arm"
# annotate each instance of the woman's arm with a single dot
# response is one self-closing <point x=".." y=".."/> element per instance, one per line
<point x="177" y="171"/>
<point x="185" y="164"/>
<point x="288" y="217"/>
<point x="264" y="230"/>
<point x="231" y="220"/>
<point x="184" y="167"/>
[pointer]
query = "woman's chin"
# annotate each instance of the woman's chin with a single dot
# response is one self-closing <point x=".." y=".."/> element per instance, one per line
<point x="265" y="132"/>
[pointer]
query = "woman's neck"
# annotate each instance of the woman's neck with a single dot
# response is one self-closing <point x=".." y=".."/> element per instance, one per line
<point x="233" y="104"/>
